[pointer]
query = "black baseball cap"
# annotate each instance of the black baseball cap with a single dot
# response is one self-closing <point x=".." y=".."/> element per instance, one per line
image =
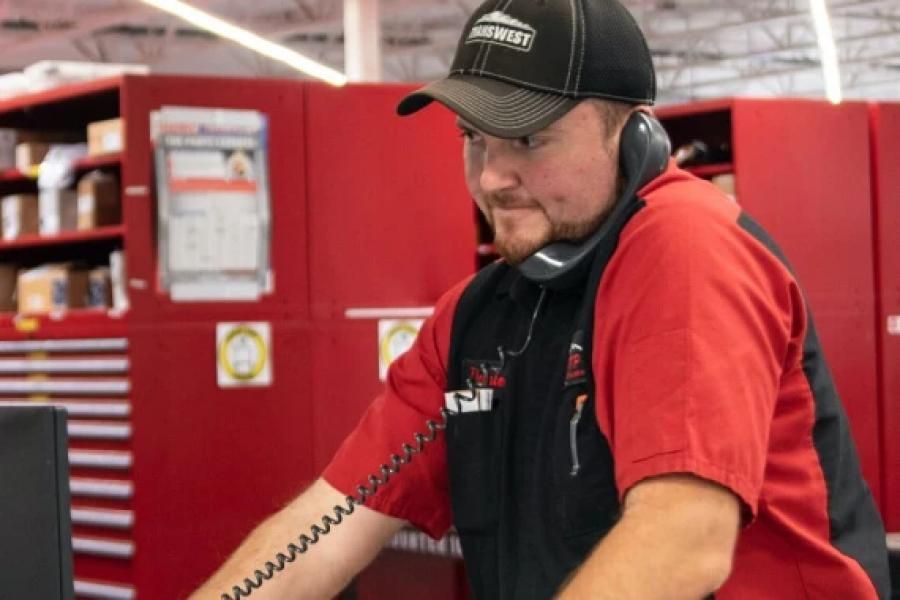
<point x="522" y="64"/>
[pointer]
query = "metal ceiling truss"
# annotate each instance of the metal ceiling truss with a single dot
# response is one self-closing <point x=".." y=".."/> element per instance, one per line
<point x="702" y="48"/>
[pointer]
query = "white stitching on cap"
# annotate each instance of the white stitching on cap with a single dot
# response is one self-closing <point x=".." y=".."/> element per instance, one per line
<point x="542" y="105"/>
<point x="528" y="84"/>
<point x="536" y="87"/>
<point x="507" y="103"/>
<point x="583" y="44"/>
<point x="572" y="48"/>
<point x="526" y="99"/>
<point x="483" y="44"/>
<point x="523" y="119"/>
<point x="517" y="98"/>
<point x="532" y="102"/>
<point x="514" y="120"/>
<point x="488" y="51"/>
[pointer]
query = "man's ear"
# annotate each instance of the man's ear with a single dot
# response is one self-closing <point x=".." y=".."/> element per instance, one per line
<point x="644" y="108"/>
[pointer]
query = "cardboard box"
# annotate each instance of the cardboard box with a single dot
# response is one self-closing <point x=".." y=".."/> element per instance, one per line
<point x="118" y="279"/>
<point x="20" y="215"/>
<point x="51" y="288"/>
<point x="725" y="182"/>
<point x="34" y="146"/>
<point x="30" y="154"/>
<point x="58" y="211"/>
<point x="106" y="137"/>
<point x="8" y="141"/>
<point x="99" y="294"/>
<point x="8" y="275"/>
<point x="99" y="202"/>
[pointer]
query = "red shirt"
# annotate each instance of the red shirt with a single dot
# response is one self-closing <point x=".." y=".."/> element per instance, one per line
<point x="698" y="350"/>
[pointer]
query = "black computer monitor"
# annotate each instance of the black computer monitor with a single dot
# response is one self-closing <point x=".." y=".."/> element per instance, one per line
<point x="35" y="518"/>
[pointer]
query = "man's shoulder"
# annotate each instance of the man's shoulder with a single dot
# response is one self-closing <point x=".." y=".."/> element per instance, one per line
<point x="680" y="203"/>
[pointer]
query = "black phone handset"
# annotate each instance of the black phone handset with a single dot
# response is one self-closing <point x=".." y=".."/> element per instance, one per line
<point x="294" y="550"/>
<point x="644" y="150"/>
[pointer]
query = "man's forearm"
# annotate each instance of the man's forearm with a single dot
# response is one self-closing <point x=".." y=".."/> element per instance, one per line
<point x="320" y="573"/>
<point x="631" y="565"/>
<point x="661" y="549"/>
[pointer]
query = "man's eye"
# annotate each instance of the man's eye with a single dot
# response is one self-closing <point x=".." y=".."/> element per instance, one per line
<point x="470" y="135"/>
<point x="528" y="141"/>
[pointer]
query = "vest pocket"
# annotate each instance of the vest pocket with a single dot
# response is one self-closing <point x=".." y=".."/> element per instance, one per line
<point x="588" y="512"/>
<point x="473" y="449"/>
<point x="587" y="499"/>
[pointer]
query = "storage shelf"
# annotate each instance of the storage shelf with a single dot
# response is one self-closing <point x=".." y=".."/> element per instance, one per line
<point x="711" y="170"/>
<point x="61" y="93"/>
<point x="29" y="323"/>
<point x="80" y="325"/>
<point x="84" y="164"/>
<point x="111" y="232"/>
<point x="700" y="108"/>
<point x="98" y="162"/>
<point x="14" y="175"/>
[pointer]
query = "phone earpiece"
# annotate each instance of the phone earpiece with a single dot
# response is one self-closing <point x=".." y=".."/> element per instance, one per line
<point x="644" y="150"/>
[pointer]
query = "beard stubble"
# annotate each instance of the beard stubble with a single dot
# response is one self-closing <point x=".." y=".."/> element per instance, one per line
<point x="516" y="250"/>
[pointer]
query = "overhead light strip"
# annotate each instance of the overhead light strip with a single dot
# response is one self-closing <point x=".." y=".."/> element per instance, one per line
<point x="827" y="51"/>
<point x="250" y="40"/>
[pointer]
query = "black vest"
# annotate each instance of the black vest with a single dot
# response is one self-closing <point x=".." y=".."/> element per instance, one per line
<point x="532" y="481"/>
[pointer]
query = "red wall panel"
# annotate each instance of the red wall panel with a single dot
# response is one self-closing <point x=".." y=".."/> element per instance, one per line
<point x="282" y="102"/>
<point x="211" y="463"/>
<point x="802" y="171"/>
<point x="886" y="178"/>
<point x="345" y="380"/>
<point x="390" y="221"/>
<point x="390" y="225"/>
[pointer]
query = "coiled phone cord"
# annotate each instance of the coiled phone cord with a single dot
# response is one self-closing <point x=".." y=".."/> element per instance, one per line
<point x="340" y="511"/>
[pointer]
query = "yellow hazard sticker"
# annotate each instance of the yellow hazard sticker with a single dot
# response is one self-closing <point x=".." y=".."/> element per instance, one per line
<point x="244" y="355"/>
<point x="394" y="338"/>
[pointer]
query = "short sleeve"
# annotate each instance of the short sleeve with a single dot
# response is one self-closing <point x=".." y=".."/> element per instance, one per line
<point x="413" y="395"/>
<point x="694" y="323"/>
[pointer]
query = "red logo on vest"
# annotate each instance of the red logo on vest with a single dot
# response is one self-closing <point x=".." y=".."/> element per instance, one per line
<point x="576" y="371"/>
<point x="484" y="374"/>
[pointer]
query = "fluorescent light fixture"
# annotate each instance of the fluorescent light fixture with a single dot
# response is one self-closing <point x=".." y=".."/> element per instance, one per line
<point x="250" y="40"/>
<point x="827" y="50"/>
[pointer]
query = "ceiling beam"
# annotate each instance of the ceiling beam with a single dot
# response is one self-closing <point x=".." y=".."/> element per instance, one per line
<point x="89" y="23"/>
<point x="865" y="60"/>
<point x="691" y="35"/>
<point x="718" y="62"/>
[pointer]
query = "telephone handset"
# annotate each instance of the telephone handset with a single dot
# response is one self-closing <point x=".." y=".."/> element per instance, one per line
<point x="644" y="150"/>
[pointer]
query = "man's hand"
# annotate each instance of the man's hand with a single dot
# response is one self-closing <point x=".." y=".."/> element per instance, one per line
<point x="321" y="572"/>
<point x="675" y="540"/>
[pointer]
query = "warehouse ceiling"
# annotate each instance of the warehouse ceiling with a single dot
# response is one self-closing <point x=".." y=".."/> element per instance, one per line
<point x="702" y="48"/>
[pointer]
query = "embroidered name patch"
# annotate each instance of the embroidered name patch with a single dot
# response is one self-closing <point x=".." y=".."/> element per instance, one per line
<point x="484" y="374"/>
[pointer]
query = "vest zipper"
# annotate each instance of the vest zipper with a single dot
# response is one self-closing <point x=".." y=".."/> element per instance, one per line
<point x="573" y="434"/>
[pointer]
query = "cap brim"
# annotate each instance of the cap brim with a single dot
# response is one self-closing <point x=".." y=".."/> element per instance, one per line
<point x="494" y="107"/>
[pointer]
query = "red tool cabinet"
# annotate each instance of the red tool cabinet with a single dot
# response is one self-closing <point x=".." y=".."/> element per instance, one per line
<point x="886" y="179"/>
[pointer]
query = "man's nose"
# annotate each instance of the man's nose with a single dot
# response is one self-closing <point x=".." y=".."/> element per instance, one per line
<point x="498" y="173"/>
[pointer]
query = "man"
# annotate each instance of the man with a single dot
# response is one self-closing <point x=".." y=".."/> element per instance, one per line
<point x="662" y="427"/>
